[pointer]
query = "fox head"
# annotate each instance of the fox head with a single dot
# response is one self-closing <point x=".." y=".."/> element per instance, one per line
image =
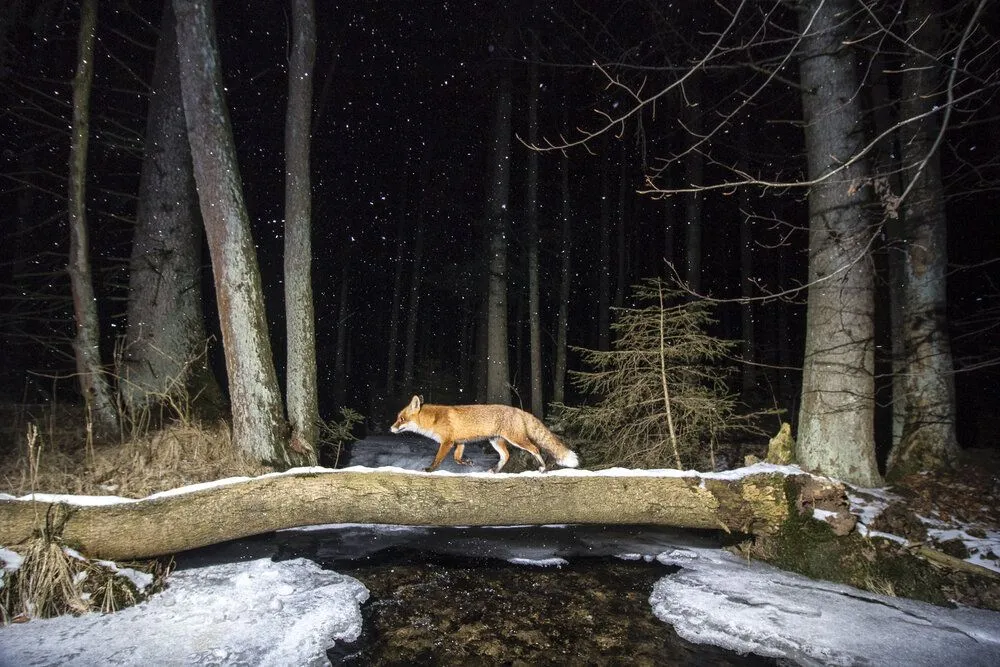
<point x="406" y="415"/>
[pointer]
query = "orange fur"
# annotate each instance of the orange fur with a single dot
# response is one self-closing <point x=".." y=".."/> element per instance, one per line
<point x="454" y="425"/>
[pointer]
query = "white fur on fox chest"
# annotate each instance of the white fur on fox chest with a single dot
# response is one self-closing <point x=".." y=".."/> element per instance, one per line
<point x="427" y="433"/>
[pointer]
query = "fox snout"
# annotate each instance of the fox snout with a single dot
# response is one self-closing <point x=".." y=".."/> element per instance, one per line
<point x="400" y="424"/>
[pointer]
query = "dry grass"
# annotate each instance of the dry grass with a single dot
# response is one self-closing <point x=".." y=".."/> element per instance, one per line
<point x="52" y="458"/>
<point x="53" y="580"/>
<point x="44" y="449"/>
<point x="881" y="586"/>
<point x="178" y="455"/>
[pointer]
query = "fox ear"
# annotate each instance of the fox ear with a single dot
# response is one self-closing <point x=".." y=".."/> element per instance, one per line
<point x="415" y="402"/>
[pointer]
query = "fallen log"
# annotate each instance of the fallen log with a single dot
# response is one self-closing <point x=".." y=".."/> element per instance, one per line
<point x="757" y="501"/>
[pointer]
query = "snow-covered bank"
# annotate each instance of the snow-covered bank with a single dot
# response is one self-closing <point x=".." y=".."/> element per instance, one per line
<point x="719" y="599"/>
<point x="265" y="612"/>
<point x="288" y="612"/>
<point x="251" y="613"/>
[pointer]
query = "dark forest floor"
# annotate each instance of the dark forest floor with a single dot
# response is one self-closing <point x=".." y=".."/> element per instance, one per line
<point x="956" y="512"/>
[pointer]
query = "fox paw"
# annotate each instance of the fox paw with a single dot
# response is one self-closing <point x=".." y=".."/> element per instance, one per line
<point x="464" y="462"/>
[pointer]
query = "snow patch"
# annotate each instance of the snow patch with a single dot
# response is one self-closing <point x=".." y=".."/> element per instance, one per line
<point x="539" y="562"/>
<point x="745" y="607"/>
<point x="251" y="613"/>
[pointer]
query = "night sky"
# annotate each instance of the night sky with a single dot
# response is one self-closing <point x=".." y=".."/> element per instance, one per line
<point x="402" y="119"/>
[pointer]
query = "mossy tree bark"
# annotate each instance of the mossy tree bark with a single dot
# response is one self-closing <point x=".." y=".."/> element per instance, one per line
<point x="757" y="503"/>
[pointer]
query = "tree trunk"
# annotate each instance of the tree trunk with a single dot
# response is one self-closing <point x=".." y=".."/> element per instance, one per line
<point x="836" y="432"/>
<point x="886" y="170"/>
<point x="604" y="261"/>
<point x="694" y="168"/>
<point x="165" y="354"/>
<point x="669" y="236"/>
<point x="624" y="195"/>
<point x="928" y="441"/>
<point x="747" y="325"/>
<point x="757" y="504"/>
<point x="497" y="365"/>
<point x="341" y="349"/>
<point x="259" y="427"/>
<point x="413" y="309"/>
<point x="300" y="382"/>
<point x="397" y="286"/>
<point x="94" y="386"/>
<point x="565" y="265"/>
<point x="534" y="310"/>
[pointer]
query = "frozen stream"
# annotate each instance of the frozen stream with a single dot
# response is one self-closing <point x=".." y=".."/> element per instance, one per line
<point x="538" y="594"/>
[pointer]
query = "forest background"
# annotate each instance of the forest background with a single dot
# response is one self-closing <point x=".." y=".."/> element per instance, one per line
<point x="820" y="169"/>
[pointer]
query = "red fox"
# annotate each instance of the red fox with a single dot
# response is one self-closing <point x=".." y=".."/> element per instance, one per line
<point x="454" y="425"/>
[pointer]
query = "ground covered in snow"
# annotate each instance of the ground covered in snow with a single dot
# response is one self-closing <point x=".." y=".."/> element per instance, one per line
<point x="246" y="613"/>
<point x="750" y="607"/>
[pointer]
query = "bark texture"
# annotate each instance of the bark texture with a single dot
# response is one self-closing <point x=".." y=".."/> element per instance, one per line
<point x="413" y="309"/>
<point x="604" y="258"/>
<point x="169" y="524"/>
<point x="300" y="384"/>
<point x="694" y="175"/>
<point x="836" y="430"/>
<point x="259" y="426"/>
<point x="94" y="385"/>
<point x="565" y="276"/>
<point x="497" y="365"/>
<point x="166" y="338"/>
<point x="928" y="439"/>
<point x="531" y="204"/>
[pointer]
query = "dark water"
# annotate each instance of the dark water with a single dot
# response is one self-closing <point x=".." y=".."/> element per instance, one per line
<point x="450" y="596"/>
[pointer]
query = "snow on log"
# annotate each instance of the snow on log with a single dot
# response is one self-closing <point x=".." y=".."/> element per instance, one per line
<point x="755" y="501"/>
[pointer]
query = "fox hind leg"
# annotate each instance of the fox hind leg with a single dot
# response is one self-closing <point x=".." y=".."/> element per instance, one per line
<point x="531" y="449"/>
<point x="501" y="447"/>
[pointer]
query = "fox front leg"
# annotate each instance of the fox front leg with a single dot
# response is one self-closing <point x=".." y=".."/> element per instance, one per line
<point x="442" y="452"/>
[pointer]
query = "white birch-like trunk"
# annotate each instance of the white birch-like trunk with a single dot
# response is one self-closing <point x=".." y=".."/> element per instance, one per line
<point x="836" y="420"/>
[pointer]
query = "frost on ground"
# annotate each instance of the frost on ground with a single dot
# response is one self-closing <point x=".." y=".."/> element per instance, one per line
<point x="258" y="612"/>
<point x="717" y="598"/>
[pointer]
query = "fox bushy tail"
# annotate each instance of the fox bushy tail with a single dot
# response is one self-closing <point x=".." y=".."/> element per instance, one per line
<point x="547" y="440"/>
